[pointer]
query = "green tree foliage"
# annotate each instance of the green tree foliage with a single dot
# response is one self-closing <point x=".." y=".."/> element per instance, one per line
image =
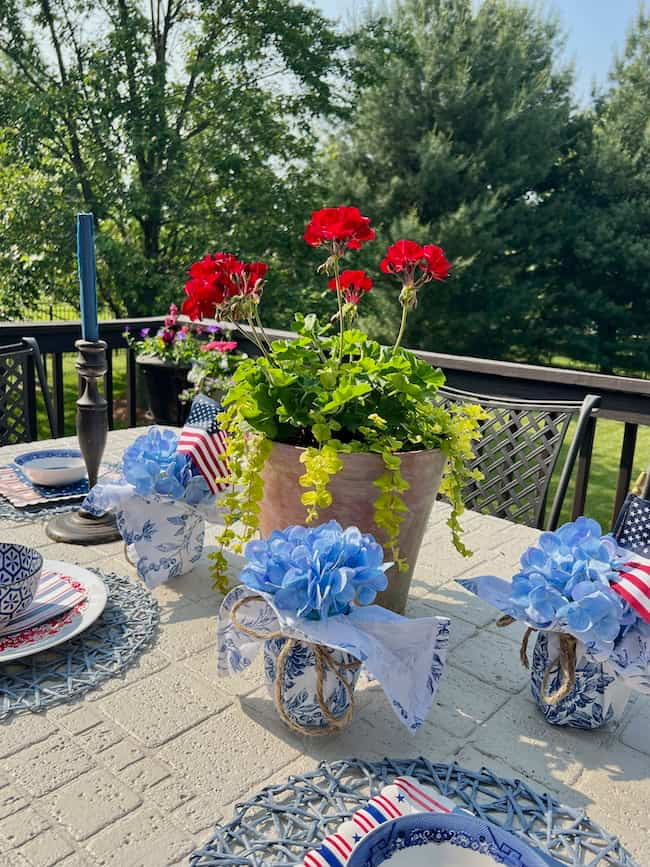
<point x="183" y="125"/>
<point x="594" y="226"/>
<point x="466" y="117"/>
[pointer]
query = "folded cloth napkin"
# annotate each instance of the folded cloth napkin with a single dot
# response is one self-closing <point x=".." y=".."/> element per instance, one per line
<point x="406" y="656"/>
<point x="56" y="593"/>
<point x="163" y="537"/>
<point x="404" y="796"/>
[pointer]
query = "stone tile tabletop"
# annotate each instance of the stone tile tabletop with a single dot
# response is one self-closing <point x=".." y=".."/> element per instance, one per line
<point x="136" y="773"/>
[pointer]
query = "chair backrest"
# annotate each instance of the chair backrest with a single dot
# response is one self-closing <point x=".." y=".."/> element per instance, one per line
<point x="517" y="453"/>
<point x="19" y="364"/>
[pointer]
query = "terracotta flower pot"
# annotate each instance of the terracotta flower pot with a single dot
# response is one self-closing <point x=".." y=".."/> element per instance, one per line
<point x="353" y="495"/>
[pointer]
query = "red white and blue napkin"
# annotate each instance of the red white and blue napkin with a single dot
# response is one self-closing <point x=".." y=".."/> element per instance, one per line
<point x="56" y="594"/>
<point x="405" y="795"/>
<point x="21" y="493"/>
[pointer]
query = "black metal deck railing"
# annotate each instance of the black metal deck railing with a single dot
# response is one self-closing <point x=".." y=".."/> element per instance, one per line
<point x="625" y="399"/>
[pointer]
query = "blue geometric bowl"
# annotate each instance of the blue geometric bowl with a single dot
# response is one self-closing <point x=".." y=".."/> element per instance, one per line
<point x="428" y="839"/>
<point x="20" y="572"/>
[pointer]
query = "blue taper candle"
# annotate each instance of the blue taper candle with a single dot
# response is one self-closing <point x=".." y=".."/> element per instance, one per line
<point x="87" y="276"/>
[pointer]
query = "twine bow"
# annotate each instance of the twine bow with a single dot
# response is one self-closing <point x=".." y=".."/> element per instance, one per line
<point x="324" y="658"/>
<point x="566" y="660"/>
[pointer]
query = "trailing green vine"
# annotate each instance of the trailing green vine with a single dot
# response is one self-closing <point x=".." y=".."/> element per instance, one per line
<point x="390" y="508"/>
<point x="246" y="454"/>
<point x="320" y="465"/>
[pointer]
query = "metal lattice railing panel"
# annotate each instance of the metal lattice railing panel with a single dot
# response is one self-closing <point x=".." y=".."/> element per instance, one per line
<point x="276" y="827"/>
<point x="14" y="406"/>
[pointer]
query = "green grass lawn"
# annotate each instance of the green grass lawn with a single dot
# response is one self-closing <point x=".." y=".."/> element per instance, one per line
<point x="604" y="467"/>
<point x="71" y="394"/>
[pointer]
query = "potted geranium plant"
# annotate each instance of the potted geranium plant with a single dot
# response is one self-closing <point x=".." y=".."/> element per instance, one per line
<point x="332" y="425"/>
<point x="211" y="372"/>
<point x="165" y="359"/>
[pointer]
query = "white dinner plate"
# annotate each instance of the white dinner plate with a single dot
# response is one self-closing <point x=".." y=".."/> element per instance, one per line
<point x="41" y="637"/>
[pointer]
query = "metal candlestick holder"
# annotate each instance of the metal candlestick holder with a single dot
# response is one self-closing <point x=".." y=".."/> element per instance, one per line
<point x="80" y="527"/>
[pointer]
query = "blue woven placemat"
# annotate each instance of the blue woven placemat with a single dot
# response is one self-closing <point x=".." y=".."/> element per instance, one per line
<point x="67" y="671"/>
<point x="30" y="514"/>
<point x="276" y="827"/>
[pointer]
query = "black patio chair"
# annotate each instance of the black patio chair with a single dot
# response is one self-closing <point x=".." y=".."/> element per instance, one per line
<point x="517" y="453"/>
<point x="19" y="364"/>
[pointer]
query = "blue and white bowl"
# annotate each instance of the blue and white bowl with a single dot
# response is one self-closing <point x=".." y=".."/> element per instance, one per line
<point x="455" y="840"/>
<point x="52" y="467"/>
<point x="20" y="572"/>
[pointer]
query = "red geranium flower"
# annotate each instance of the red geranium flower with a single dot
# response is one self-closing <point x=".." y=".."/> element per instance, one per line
<point x="253" y="273"/>
<point x="219" y="346"/>
<point x="437" y="265"/>
<point x="203" y="296"/>
<point x="353" y="283"/>
<point x="342" y="226"/>
<point x="404" y="257"/>
<point x="217" y="278"/>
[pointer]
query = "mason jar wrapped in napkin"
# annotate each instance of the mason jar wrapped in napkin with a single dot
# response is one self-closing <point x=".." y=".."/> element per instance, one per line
<point x="305" y="599"/>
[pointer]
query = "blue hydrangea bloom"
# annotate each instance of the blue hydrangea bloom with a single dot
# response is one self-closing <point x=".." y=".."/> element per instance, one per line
<point x="317" y="572"/>
<point x="564" y="583"/>
<point x="153" y="466"/>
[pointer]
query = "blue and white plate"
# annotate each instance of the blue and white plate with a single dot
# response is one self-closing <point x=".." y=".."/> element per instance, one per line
<point x="452" y="840"/>
<point x="54" y="468"/>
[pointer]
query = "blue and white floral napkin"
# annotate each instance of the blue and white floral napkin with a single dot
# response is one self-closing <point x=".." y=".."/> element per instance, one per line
<point x="405" y="655"/>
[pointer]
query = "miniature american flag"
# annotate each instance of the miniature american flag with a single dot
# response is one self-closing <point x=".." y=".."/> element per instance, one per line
<point x="633" y="584"/>
<point x="632" y="532"/>
<point x="205" y="443"/>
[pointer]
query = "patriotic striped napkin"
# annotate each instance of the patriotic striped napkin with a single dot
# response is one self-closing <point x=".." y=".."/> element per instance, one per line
<point x="402" y="797"/>
<point x="20" y="492"/>
<point x="56" y="593"/>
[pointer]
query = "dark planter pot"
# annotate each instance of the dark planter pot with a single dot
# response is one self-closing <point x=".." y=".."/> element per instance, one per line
<point x="164" y="383"/>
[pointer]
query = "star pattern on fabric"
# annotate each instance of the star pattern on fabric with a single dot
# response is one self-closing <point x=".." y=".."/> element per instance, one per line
<point x="634" y="533"/>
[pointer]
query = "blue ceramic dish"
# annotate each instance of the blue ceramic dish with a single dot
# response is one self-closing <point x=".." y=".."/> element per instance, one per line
<point x="438" y="840"/>
<point x="20" y="572"/>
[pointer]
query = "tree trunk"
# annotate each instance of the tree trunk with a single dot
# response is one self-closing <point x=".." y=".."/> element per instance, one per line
<point x="606" y="338"/>
<point x="151" y="238"/>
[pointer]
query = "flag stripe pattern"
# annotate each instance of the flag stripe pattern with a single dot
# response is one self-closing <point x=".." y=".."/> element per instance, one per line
<point x="633" y="585"/>
<point x="405" y="795"/>
<point x="56" y="593"/>
<point x="205" y="443"/>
